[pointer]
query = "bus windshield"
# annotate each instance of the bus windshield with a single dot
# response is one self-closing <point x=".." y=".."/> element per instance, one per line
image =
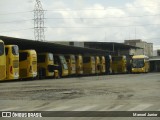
<point x="63" y="61"/>
<point x="73" y="59"/>
<point x="138" y="63"/>
<point x="1" y="48"/>
<point x="15" y="50"/>
<point x="93" y="59"/>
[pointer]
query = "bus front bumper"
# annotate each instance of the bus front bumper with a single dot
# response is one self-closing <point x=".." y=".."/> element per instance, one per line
<point x="138" y="70"/>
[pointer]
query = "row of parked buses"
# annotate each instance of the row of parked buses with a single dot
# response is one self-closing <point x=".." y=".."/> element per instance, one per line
<point x="20" y="64"/>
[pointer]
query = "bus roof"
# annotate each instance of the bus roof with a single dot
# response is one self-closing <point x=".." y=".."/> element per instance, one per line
<point x="45" y="53"/>
<point x="30" y="51"/>
<point x="139" y="56"/>
<point x="10" y="45"/>
<point x="1" y="41"/>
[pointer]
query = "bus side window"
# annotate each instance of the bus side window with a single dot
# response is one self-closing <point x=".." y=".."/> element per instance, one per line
<point x="86" y="60"/>
<point x="15" y="50"/>
<point x="6" y="50"/>
<point x="1" y="49"/>
<point x="23" y="56"/>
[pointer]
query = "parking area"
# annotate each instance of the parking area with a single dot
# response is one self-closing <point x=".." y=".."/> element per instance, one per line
<point x="126" y="92"/>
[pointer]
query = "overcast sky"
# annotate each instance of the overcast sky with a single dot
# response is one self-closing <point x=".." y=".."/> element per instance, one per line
<point x="84" y="20"/>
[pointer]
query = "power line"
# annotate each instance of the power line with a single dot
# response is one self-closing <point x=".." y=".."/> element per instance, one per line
<point x="158" y="43"/>
<point x="105" y="27"/>
<point x="108" y="17"/>
<point x="15" y="13"/>
<point x="73" y="10"/>
<point x="15" y="30"/>
<point x="21" y="12"/>
<point x="76" y="18"/>
<point x="76" y="27"/>
<point x="17" y="21"/>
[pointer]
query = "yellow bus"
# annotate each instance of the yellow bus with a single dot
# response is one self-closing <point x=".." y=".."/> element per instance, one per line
<point x="28" y="63"/>
<point x="71" y="62"/>
<point x="45" y="65"/>
<point x="98" y="65"/>
<point x="79" y="64"/>
<point x="61" y="64"/>
<point x="12" y="62"/>
<point x="119" y="64"/>
<point x="2" y="61"/>
<point x="103" y="64"/>
<point x="108" y="60"/>
<point x="140" y="64"/>
<point x="89" y="65"/>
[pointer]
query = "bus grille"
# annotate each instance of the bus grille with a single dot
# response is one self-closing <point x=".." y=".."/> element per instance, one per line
<point x="23" y="73"/>
<point x="15" y="63"/>
<point x="2" y="73"/>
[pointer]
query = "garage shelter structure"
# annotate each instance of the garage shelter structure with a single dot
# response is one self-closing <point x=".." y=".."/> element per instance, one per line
<point x="88" y="48"/>
<point x="154" y="64"/>
<point x="113" y="47"/>
<point x="55" y="48"/>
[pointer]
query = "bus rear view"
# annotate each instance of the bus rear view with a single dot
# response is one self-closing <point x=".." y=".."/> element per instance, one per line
<point x="71" y="62"/>
<point x="45" y="63"/>
<point x="103" y="64"/>
<point x="79" y="65"/>
<point x="28" y="64"/>
<point x="2" y="61"/>
<point x="12" y="62"/>
<point x="119" y="64"/>
<point x="89" y="65"/>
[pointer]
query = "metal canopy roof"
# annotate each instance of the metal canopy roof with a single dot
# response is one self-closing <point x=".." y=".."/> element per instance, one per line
<point x="154" y="58"/>
<point x="50" y="47"/>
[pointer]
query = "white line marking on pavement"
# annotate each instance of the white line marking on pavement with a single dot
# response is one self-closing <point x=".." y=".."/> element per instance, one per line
<point x="9" y="109"/>
<point x="116" y="108"/>
<point x="85" y="108"/>
<point x="140" y="107"/>
<point x="61" y="108"/>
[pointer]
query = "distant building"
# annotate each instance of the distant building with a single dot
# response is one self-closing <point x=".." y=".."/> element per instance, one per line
<point x="77" y="44"/>
<point x="156" y="52"/>
<point x="147" y="48"/>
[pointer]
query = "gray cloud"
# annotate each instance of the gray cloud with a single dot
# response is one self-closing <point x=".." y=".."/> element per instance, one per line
<point x="103" y="26"/>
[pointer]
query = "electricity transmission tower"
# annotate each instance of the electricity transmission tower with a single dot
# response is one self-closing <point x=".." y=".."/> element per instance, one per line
<point x="39" y="22"/>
